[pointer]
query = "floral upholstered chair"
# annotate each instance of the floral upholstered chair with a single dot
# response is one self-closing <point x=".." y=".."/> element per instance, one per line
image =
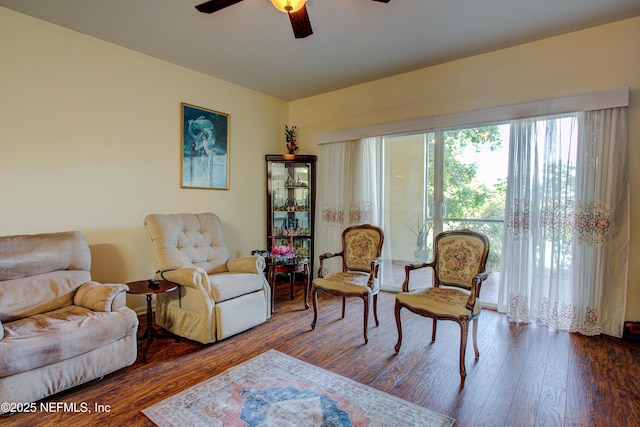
<point x="361" y="249"/>
<point x="458" y="268"/>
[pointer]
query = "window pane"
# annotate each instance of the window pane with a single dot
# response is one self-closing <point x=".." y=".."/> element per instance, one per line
<point x="408" y="194"/>
<point x="475" y="181"/>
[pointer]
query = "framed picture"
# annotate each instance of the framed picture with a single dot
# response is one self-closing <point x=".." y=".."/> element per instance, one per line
<point x="205" y="148"/>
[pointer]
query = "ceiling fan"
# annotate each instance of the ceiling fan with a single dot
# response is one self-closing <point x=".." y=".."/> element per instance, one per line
<point x="296" y="9"/>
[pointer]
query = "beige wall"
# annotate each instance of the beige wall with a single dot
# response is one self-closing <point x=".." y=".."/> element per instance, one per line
<point x="596" y="59"/>
<point x="90" y="132"/>
<point x="90" y="141"/>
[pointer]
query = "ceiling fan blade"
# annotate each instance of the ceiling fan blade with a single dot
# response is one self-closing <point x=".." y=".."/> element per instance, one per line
<point x="215" y="5"/>
<point x="300" y="23"/>
<point x="382" y="1"/>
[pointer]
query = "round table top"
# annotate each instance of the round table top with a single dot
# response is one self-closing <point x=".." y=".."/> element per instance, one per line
<point x="144" y="287"/>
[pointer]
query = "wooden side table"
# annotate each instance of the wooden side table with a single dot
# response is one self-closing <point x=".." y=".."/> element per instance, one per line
<point x="290" y="268"/>
<point x="148" y="288"/>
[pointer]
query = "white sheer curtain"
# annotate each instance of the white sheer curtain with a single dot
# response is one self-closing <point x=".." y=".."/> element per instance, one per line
<point x="347" y="192"/>
<point x="565" y="248"/>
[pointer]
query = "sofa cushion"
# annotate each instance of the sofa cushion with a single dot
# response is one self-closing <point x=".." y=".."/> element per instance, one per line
<point x="40" y="272"/>
<point x="43" y="339"/>
<point x="31" y="255"/>
<point x="39" y="294"/>
<point x="226" y="286"/>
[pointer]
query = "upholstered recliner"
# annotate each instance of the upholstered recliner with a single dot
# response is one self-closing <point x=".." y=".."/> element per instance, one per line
<point x="218" y="297"/>
<point x="58" y="328"/>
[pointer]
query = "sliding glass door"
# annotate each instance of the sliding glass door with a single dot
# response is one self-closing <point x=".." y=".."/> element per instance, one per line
<point x="442" y="180"/>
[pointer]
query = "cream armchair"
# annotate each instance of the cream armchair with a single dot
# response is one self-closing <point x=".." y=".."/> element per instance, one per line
<point x="218" y="297"/>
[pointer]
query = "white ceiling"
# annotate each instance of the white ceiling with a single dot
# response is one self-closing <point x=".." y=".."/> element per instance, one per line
<point x="354" y="41"/>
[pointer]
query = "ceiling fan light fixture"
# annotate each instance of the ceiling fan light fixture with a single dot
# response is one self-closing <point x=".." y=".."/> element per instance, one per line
<point x="288" y="6"/>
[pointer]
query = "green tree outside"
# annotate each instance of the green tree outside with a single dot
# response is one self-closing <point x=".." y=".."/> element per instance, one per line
<point x="467" y="197"/>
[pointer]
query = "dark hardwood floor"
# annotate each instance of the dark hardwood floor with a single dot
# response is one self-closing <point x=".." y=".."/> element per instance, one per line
<point x="526" y="375"/>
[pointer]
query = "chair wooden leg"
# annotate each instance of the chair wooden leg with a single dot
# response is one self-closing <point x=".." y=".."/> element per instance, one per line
<point x="475" y="337"/>
<point x="366" y="317"/>
<point x="464" y="330"/>
<point x="399" y="325"/>
<point x="344" y="300"/>
<point x="375" y="309"/>
<point x="292" y="279"/>
<point x="314" y="300"/>
<point x="433" y="330"/>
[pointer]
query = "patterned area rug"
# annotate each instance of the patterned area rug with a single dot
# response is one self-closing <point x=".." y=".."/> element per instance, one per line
<point x="274" y="389"/>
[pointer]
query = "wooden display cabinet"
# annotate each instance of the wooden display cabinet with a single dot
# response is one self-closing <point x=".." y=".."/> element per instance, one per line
<point x="291" y="198"/>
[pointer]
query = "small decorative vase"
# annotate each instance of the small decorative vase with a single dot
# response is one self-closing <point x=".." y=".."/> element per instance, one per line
<point x="289" y="156"/>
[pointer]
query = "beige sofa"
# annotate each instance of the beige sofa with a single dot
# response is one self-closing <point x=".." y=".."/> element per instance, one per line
<point x="58" y="328"/>
<point x="219" y="297"/>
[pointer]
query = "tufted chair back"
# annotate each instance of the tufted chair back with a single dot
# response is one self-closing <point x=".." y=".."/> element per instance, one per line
<point x="187" y="240"/>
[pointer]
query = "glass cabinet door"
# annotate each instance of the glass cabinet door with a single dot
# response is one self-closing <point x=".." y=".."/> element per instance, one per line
<point x="290" y="204"/>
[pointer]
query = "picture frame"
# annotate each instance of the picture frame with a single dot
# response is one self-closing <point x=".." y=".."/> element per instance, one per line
<point x="204" y="148"/>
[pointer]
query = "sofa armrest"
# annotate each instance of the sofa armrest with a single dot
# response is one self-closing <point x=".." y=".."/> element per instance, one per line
<point x="97" y="296"/>
<point x="248" y="264"/>
<point x="194" y="294"/>
<point x="119" y="301"/>
<point x="191" y="277"/>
